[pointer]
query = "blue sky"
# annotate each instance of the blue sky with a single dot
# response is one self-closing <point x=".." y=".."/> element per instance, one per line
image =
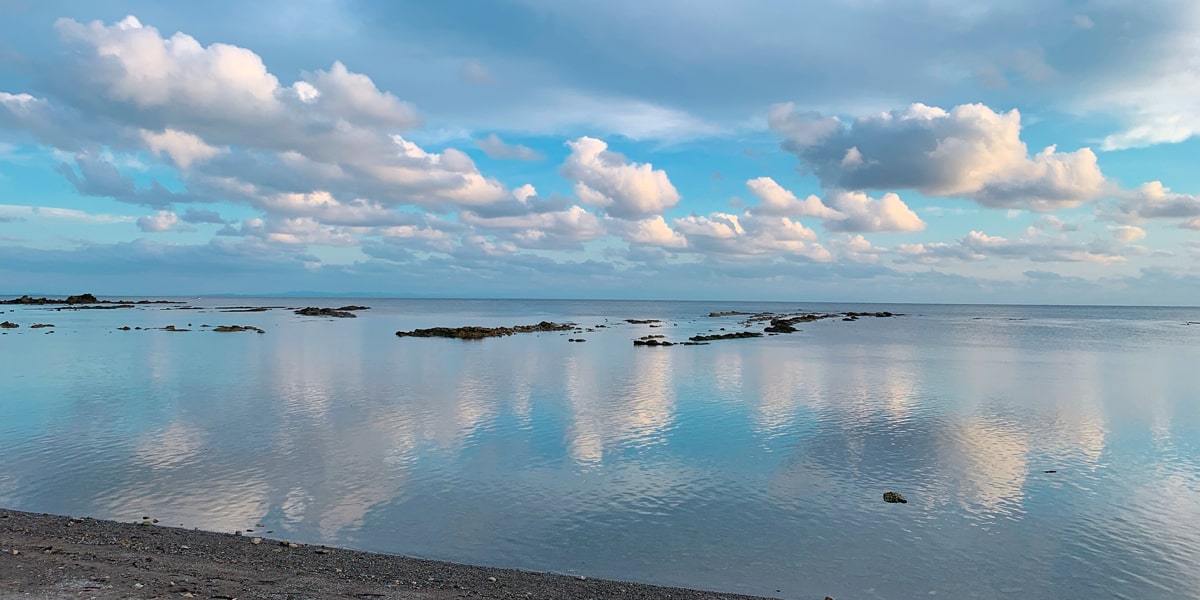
<point x="913" y="150"/>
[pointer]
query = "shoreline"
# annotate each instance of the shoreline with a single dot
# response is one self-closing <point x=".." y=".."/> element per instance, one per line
<point x="46" y="556"/>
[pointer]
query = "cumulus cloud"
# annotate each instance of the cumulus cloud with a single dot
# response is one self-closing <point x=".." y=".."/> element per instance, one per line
<point x="969" y="151"/>
<point x="220" y="116"/>
<point x="192" y="215"/>
<point x="724" y="234"/>
<point x="1154" y="201"/>
<point x="495" y="147"/>
<point x="564" y="229"/>
<point x="777" y="201"/>
<point x="625" y="190"/>
<point x="861" y="213"/>
<point x="163" y="220"/>
<point x="841" y="211"/>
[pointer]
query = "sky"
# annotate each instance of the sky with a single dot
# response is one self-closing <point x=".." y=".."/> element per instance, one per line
<point x="1008" y="151"/>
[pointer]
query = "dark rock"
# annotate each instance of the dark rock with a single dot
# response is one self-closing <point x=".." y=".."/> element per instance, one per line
<point x="728" y="313"/>
<point x="473" y="332"/>
<point x="82" y="299"/>
<point x="652" y="342"/>
<point x="354" y="307"/>
<point x="643" y="321"/>
<point x="894" y="498"/>
<point x="235" y="328"/>
<point x="312" y="311"/>
<point x="125" y="328"/>
<point x="173" y="328"/>
<point x="9" y="325"/>
<point x="726" y="336"/>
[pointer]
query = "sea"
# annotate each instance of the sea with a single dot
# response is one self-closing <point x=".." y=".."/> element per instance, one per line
<point x="1044" y="451"/>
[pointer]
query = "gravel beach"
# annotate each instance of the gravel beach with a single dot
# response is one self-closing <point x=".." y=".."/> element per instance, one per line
<point x="48" y="556"/>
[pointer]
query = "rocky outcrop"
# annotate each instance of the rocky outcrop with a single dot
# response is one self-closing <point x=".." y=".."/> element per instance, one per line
<point x="354" y="307"/>
<point x="235" y="328"/>
<point x="312" y="311"/>
<point x="473" y="332"/>
<point x="652" y="342"/>
<point x="80" y="299"/>
<point x="726" y="336"/>
<point x="9" y="325"/>
<point x="894" y="498"/>
<point x="41" y="325"/>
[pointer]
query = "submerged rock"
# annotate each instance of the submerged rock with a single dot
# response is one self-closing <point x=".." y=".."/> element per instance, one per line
<point x="894" y="498"/>
<point x="474" y="332"/>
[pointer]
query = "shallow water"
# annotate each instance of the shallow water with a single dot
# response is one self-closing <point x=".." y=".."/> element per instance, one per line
<point x="753" y="466"/>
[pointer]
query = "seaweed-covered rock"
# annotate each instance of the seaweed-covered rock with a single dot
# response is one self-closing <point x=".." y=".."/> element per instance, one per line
<point x="474" y="332"/>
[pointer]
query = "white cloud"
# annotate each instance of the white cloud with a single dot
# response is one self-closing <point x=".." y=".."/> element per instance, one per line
<point x="861" y="213"/>
<point x="163" y="220"/>
<point x="842" y="211"/>
<point x="1156" y="98"/>
<point x="183" y="148"/>
<point x="565" y="229"/>
<point x="775" y="200"/>
<point x="652" y="231"/>
<point x="623" y="189"/>
<point x="724" y="234"/>
<point x="495" y="147"/>
<point x="970" y="151"/>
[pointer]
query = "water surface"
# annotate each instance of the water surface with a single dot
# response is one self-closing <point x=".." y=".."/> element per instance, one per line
<point x="752" y="466"/>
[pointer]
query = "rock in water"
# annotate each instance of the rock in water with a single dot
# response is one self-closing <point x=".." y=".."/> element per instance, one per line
<point x="894" y="498"/>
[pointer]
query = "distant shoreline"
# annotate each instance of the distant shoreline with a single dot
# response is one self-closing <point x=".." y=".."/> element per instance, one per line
<point x="48" y="556"/>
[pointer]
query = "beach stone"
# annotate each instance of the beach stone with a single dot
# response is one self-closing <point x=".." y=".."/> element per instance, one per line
<point x="256" y="541"/>
<point x="894" y="498"/>
<point x="492" y="579"/>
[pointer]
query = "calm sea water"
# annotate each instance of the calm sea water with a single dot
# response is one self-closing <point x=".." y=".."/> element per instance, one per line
<point x="753" y="466"/>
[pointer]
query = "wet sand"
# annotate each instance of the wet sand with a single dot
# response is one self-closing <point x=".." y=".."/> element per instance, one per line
<point x="48" y="556"/>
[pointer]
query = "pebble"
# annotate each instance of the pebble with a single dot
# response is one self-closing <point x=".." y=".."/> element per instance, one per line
<point x="138" y="586"/>
<point x="15" y="552"/>
<point x="256" y="541"/>
<point x="492" y="579"/>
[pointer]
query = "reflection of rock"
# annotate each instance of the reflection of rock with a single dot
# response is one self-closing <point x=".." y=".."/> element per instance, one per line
<point x="312" y="311"/>
<point x="473" y="332"/>
<point x="9" y="325"/>
<point x="236" y="328"/>
<point x="894" y="498"/>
